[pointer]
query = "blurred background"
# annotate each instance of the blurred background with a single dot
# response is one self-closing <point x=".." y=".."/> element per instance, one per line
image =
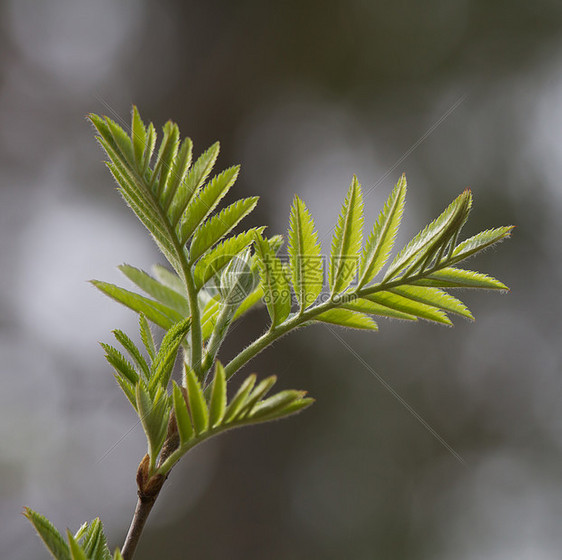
<point x="302" y="94"/>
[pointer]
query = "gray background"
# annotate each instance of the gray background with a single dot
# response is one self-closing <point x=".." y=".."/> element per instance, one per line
<point x="303" y="95"/>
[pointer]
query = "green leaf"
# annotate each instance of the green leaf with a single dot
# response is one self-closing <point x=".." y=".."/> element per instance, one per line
<point x="217" y="404"/>
<point x="279" y="405"/>
<point x="292" y="408"/>
<point x="94" y="542"/>
<point x="133" y="186"/>
<point x="183" y="420"/>
<point x="275" y="242"/>
<point x="148" y="151"/>
<point x="346" y="318"/>
<point x="220" y="225"/>
<point x="238" y="279"/>
<point x="178" y="172"/>
<point x="76" y="552"/>
<point x="81" y="531"/>
<point x="159" y="314"/>
<point x="372" y="308"/>
<point x="215" y="260"/>
<point x="166" y="155"/>
<point x="253" y="299"/>
<point x="128" y="388"/>
<point x="146" y="336"/>
<point x="277" y="294"/>
<point x="434" y="297"/>
<point x="257" y="394"/>
<point x="192" y="183"/>
<point x="197" y="404"/>
<point x="202" y="204"/>
<point x="460" y="278"/>
<point x="170" y="279"/>
<point x="169" y="297"/>
<point x="209" y="318"/>
<point x="381" y="240"/>
<point x="430" y="244"/>
<point x="346" y="242"/>
<point x="117" y="555"/>
<point x="305" y="257"/>
<point x="122" y="141"/>
<point x="479" y="242"/>
<point x="133" y="192"/>
<point x="153" y="413"/>
<point x="52" y="539"/>
<point x="139" y="138"/>
<point x="133" y="351"/>
<point x="165" y="358"/>
<point x="239" y="400"/>
<point x="156" y="227"/>
<point x="406" y="305"/>
<point x="121" y="365"/>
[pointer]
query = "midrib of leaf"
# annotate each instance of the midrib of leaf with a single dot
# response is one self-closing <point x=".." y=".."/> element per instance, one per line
<point x="196" y="350"/>
<point x="346" y="238"/>
<point x="300" y="257"/>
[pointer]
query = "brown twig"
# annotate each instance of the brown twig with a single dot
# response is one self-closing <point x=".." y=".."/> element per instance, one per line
<point x="144" y="505"/>
<point x="148" y="490"/>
